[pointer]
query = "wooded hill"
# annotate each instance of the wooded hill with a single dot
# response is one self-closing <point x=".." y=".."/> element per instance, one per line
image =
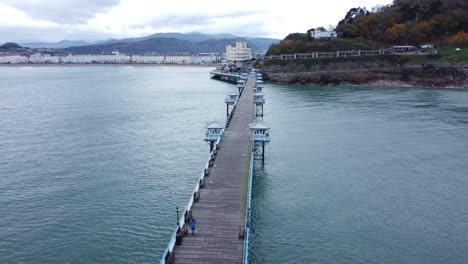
<point x="410" y="22"/>
<point x="405" y="22"/>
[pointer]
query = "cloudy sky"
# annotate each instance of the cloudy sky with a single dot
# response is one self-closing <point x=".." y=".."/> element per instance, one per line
<point x="55" y="20"/>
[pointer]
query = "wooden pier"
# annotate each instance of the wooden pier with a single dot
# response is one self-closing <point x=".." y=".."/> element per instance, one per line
<point x="220" y="211"/>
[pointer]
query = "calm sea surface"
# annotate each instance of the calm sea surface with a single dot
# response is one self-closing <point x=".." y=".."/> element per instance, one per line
<point x="94" y="160"/>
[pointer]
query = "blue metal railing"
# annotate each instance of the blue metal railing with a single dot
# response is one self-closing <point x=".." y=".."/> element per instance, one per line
<point x="171" y="244"/>
<point x="248" y="215"/>
<point x="188" y="207"/>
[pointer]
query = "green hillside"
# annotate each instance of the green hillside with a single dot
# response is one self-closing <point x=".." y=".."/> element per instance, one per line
<point x="303" y="43"/>
<point x="409" y="22"/>
<point x="443" y="23"/>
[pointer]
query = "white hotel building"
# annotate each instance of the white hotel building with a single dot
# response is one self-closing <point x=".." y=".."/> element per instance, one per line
<point x="238" y="53"/>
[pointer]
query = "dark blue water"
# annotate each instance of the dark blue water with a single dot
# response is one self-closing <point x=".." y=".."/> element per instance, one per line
<point x="94" y="160"/>
<point x="363" y="175"/>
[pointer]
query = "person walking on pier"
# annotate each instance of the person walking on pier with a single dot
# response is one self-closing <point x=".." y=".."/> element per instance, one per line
<point x="193" y="225"/>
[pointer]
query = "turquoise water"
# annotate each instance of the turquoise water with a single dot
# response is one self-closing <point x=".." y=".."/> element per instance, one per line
<point x="94" y="160"/>
<point x="362" y="175"/>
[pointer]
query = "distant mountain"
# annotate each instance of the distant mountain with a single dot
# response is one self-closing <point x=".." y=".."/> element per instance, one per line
<point x="13" y="47"/>
<point x="261" y="44"/>
<point x="10" y="46"/>
<point x="158" y="45"/>
<point x="193" y="36"/>
<point x="194" y="42"/>
<point x="57" y="45"/>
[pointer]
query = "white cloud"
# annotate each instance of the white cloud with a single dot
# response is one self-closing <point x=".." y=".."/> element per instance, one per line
<point x="101" y="19"/>
<point x="62" y="11"/>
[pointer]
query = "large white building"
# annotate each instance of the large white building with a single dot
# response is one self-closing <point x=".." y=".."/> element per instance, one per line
<point x="148" y="59"/>
<point x="238" y="53"/>
<point x="120" y="58"/>
<point x="39" y="58"/>
<point x="13" y="59"/>
<point x="318" y="34"/>
<point x="115" y="57"/>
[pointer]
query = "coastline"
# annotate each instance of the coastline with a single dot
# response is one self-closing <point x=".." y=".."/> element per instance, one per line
<point x="362" y="77"/>
<point x="379" y="83"/>
<point x="107" y="64"/>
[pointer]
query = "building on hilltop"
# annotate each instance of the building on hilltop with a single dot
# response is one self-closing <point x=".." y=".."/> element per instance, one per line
<point x="318" y="34"/>
<point x="238" y="53"/>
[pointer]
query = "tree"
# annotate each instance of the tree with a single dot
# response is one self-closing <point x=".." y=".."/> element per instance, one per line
<point x="397" y="33"/>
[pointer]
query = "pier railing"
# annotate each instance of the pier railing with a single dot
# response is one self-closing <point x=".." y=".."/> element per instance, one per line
<point x="170" y="247"/>
<point x="319" y="55"/>
<point x="248" y="212"/>
<point x="234" y="106"/>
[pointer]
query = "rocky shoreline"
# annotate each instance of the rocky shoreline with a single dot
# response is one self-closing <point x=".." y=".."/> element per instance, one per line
<point x="385" y="71"/>
<point x="362" y="78"/>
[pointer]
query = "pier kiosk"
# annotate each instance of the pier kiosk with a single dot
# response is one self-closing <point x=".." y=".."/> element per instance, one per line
<point x="260" y="138"/>
<point x="259" y="100"/>
<point x="214" y="131"/>
<point x="230" y="100"/>
<point x="240" y="85"/>
<point x="258" y="86"/>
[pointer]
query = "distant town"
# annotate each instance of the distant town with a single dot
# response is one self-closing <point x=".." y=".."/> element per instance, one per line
<point x="114" y="58"/>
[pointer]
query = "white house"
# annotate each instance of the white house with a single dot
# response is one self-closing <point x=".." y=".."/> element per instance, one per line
<point x="238" y="53"/>
<point x="318" y="34"/>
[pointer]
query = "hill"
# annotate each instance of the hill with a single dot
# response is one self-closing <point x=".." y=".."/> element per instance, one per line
<point x="159" y="42"/>
<point x="405" y="22"/>
<point x="158" y="45"/>
<point x="191" y="43"/>
<point x="193" y="36"/>
<point x="409" y="22"/>
<point x="10" y="46"/>
<point x="58" y="45"/>
<point x="302" y="43"/>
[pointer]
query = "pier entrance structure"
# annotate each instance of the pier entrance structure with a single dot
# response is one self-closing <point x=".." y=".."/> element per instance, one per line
<point x="220" y="201"/>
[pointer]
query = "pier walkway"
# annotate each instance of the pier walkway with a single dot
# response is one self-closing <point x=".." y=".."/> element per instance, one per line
<point x="221" y="208"/>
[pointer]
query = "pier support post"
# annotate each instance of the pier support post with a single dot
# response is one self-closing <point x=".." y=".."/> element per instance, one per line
<point x="263" y="153"/>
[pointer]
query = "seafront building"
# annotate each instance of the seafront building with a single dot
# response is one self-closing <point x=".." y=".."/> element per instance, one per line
<point x="238" y="53"/>
<point x="43" y="58"/>
<point x="114" y="58"/>
<point x="13" y="59"/>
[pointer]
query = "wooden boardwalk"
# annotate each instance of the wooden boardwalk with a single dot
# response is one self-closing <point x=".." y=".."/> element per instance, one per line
<point x="220" y="211"/>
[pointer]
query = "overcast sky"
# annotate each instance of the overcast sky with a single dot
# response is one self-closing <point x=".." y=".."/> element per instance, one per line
<point x="55" y="20"/>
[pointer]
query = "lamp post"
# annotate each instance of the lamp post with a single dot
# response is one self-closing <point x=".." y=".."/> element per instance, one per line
<point x="177" y="210"/>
